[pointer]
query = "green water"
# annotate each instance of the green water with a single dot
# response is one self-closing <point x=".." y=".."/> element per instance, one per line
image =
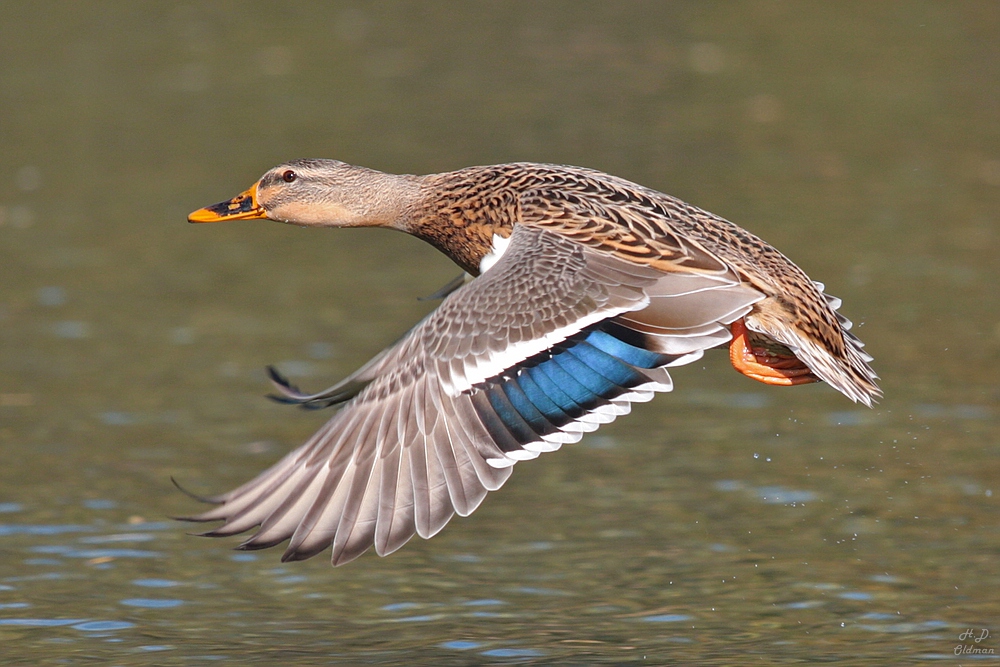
<point x="725" y="523"/>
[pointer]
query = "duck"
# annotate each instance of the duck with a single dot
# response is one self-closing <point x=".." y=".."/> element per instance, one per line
<point x="582" y="290"/>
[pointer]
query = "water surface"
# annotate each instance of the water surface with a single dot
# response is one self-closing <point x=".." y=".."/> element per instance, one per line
<point x="725" y="523"/>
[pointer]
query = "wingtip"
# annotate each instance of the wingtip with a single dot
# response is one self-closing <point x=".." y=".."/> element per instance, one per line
<point x="344" y="557"/>
<point x="208" y="500"/>
<point x="294" y="556"/>
<point x="207" y="533"/>
<point x="282" y="384"/>
<point x="289" y="394"/>
<point x="284" y="400"/>
<point x="255" y="544"/>
<point x="446" y="289"/>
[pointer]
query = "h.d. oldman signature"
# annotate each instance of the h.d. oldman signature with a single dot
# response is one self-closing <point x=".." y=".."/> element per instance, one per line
<point x="976" y="636"/>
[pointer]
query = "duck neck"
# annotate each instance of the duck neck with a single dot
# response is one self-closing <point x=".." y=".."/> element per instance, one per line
<point x="460" y="213"/>
<point x="391" y="201"/>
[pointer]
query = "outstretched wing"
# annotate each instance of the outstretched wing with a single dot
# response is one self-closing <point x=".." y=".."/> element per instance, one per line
<point x="526" y="357"/>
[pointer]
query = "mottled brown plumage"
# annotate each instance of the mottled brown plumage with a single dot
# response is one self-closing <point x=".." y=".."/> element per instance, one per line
<point x="589" y="287"/>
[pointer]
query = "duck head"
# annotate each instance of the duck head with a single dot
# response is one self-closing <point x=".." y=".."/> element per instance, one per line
<point x="319" y="193"/>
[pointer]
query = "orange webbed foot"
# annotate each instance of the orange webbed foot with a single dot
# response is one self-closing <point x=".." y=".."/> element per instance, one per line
<point x="765" y="367"/>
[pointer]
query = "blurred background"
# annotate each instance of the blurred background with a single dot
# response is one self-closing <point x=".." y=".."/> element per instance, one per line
<point x="722" y="523"/>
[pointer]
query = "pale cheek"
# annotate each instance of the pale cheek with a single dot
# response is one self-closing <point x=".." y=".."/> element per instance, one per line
<point x="332" y="215"/>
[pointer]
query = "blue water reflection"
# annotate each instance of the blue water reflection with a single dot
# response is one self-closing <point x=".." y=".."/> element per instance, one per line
<point x="73" y="552"/>
<point x="40" y="622"/>
<point x="152" y="603"/>
<point x="22" y="529"/>
<point x="155" y="583"/>
<point x="666" y="618"/>
<point x="103" y="626"/>
<point x="512" y="653"/>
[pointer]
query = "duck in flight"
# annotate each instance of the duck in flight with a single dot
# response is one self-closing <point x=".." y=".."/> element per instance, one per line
<point x="587" y="288"/>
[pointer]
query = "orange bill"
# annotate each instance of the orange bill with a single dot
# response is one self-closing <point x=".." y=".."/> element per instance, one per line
<point x="243" y="206"/>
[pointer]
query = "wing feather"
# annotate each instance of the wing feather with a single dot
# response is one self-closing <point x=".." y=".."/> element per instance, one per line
<point x="439" y="418"/>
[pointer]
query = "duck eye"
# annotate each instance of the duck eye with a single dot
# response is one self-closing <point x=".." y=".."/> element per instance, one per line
<point x="289" y="176"/>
